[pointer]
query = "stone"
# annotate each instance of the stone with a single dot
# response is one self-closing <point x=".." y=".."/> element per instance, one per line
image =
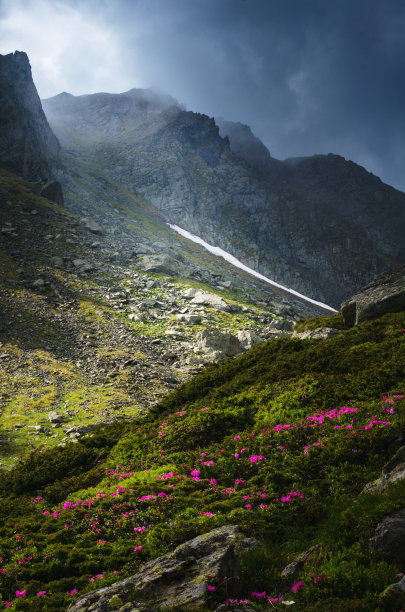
<point x="56" y="261"/>
<point x="291" y="571"/>
<point x="83" y="265"/>
<point x="320" y="333"/>
<point x="214" y="340"/>
<point x="212" y="357"/>
<point x="8" y="231"/>
<point x="190" y="319"/>
<point x="176" y="335"/>
<point x="392" y="471"/>
<point x="385" y="294"/>
<point x="210" y="299"/>
<point x="38" y="283"/>
<point x="93" y="226"/>
<point x="147" y="303"/>
<point x="190" y="293"/>
<point x="55" y="417"/>
<point x="283" y="324"/>
<point x="389" y="537"/>
<point x="52" y="191"/>
<point x="399" y="586"/>
<point x="248" y="339"/>
<point x="164" y="264"/>
<point x="179" y="577"/>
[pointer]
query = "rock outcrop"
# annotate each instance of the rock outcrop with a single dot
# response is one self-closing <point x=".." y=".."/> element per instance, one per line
<point x="179" y="577"/>
<point x="383" y="295"/>
<point x="210" y="299"/>
<point x="248" y="339"/>
<point x="389" y="537"/>
<point x="164" y="264"/>
<point x="245" y="144"/>
<point x="28" y="146"/>
<point x="53" y="191"/>
<point x="322" y="225"/>
<point x="215" y="340"/>
<point x="392" y="471"/>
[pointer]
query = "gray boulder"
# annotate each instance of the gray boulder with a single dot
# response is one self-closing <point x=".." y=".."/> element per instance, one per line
<point x="164" y="264"/>
<point x="389" y="537"/>
<point x="55" y="417"/>
<point x="92" y="226"/>
<point x="210" y="299"/>
<point x="248" y="339"/>
<point x="83" y="265"/>
<point x="283" y="324"/>
<point x="177" y="578"/>
<point x="56" y="261"/>
<point x="190" y="293"/>
<point x="214" y="340"/>
<point x="385" y="294"/>
<point x="189" y="319"/>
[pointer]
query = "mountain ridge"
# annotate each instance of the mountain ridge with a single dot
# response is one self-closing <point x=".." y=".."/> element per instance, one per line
<point x="321" y="225"/>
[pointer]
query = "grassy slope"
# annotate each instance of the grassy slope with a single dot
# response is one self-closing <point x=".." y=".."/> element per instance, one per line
<point x="57" y="354"/>
<point x="218" y="452"/>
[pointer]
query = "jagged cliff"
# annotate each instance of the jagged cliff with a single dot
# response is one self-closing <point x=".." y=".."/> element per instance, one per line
<point x="245" y="144"/>
<point x="28" y="146"/>
<point x="322" y="225"/>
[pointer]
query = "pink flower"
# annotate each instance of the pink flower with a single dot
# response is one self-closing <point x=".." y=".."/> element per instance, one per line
<point x="20" y="593"/>
<point x="73" y="592"/>
<point x="41" y="593"/>
<point x="137" y="548"/>
<point x="255" y="458"/>
<point x="297" y="586"/>
<point x="210" y="587"/>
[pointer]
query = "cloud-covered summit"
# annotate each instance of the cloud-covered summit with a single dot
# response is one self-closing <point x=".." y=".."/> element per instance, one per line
<point x="308" y="77"/>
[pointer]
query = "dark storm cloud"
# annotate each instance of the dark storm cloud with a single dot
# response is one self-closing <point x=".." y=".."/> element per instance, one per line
<point x="309" y="76"/>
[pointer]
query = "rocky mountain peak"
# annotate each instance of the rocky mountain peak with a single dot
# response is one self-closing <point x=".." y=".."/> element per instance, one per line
<point x="28" y="146"/>
<point x="245" y="144"/>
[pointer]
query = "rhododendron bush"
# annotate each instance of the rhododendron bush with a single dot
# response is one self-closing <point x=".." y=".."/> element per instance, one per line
<point x="280" y="441"/>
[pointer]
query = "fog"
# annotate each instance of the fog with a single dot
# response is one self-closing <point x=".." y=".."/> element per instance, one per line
<point x="307" y="76"/>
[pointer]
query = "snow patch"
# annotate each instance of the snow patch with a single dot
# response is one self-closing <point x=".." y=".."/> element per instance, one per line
<point x="238" y="264"/>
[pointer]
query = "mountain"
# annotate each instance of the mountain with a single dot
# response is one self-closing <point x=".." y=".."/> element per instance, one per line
<point x="28" y="146"/>
<point x="104" y="308"/>
<point x="321" y="225"/>
<point x="177" y="434"/>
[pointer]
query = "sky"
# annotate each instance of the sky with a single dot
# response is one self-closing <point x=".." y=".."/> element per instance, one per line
<point x="308" y="76"/>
